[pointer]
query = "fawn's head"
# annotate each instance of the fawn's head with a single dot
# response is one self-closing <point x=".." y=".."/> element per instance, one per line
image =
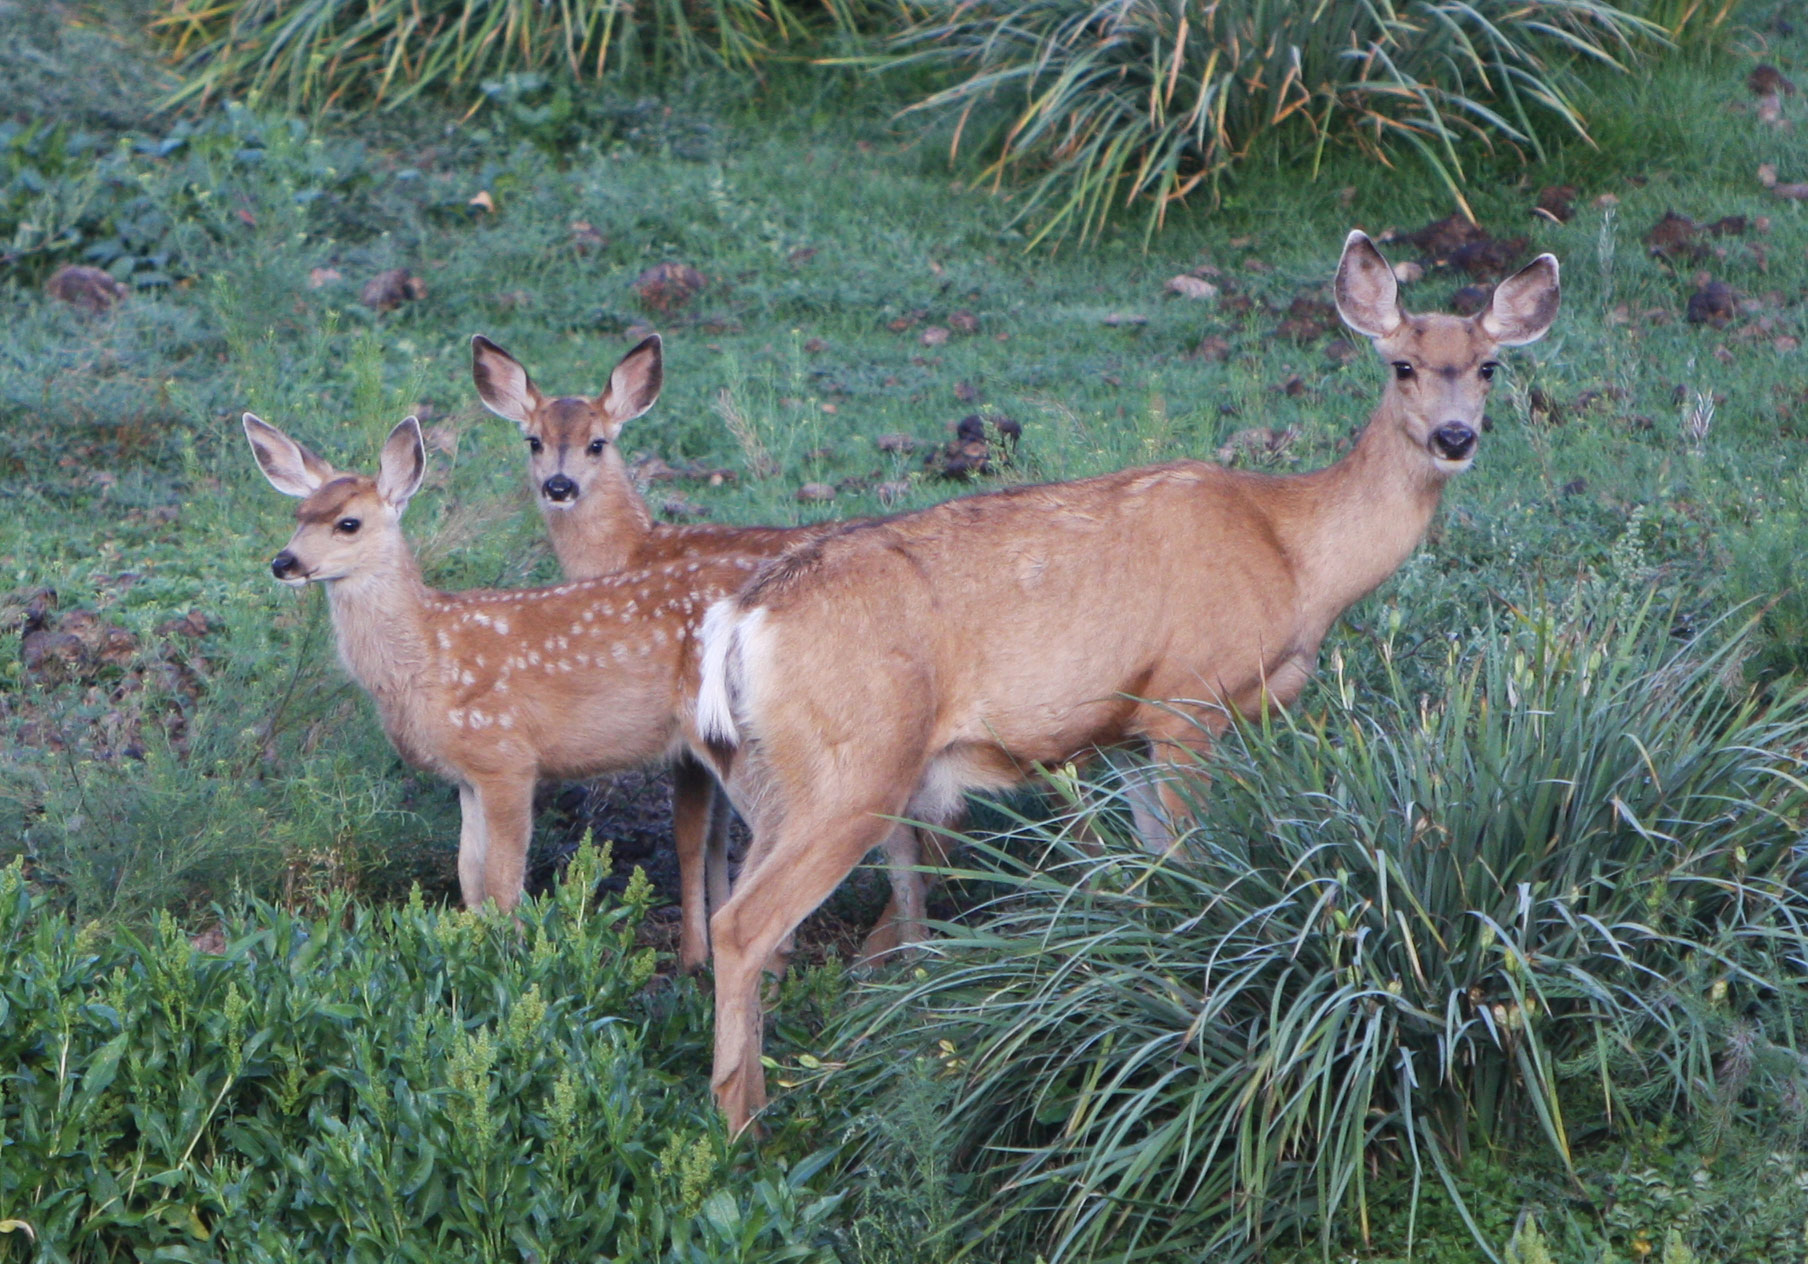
<point x="347" y="524"/>
<point x="1440" y="366"/>
<point x="569" y="439"/>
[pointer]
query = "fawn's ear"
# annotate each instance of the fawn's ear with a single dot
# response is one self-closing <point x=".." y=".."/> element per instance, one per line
<point x="502" y="383"/>
<point x="1368" y="297"/>
<point x="1525" y="304"/>
<point x="634" y="386"/>
<point x="403" y="464"/>
<point x="291" y="468"/>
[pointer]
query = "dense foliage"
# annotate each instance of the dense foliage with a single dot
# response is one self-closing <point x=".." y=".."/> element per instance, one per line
<point x="1567" y="880"/>
<point x="400" y="1084"/>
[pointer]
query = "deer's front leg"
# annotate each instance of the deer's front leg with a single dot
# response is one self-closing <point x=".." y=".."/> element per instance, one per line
<point x="506" y="806"/>
<point x="472" y="839"/>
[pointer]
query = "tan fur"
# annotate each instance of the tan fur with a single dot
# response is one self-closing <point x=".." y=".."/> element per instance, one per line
<point x="890" y="667"/>
<point x="493" y="690"/>
<point x="605" y="527"/>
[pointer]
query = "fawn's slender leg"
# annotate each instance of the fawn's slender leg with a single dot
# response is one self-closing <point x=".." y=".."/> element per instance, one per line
<point x="507" y="806"/>
<point x="471" y="839"/>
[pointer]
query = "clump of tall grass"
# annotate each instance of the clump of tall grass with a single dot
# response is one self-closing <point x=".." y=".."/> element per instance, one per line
<point x="384" y="52"/>
<point x="1407" y="924"/>
<point x="1101" y="104"/>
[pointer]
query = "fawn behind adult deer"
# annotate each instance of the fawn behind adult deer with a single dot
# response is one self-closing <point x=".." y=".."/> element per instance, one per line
<point x="887" y="669"/>
<point x="491" y="690"/>
<point x="600" y="524"/>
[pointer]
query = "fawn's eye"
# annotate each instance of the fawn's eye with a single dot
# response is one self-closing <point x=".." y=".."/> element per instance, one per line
<point x="347" y="525"/>
<point x="1402" y="369"/>
<point x="596" y="447"/>
<point x="533" y="444"/>
<point x="1487" y="371"/>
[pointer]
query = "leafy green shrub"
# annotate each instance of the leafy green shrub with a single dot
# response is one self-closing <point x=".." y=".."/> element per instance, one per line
<point x="1100" y="105"/>
<point x="1410" y="924"/>
<point x="360" y="52"/>
<point x="405" y="1084"/>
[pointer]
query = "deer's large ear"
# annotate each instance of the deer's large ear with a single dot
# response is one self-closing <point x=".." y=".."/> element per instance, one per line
<point x="1368" y="297"/>
<point x="634" y="386"/>
<point x="403" y="464"/>
<point x="291" y="468"/>
<point x="502" y="383"/>
<point x="1525" y="304"/>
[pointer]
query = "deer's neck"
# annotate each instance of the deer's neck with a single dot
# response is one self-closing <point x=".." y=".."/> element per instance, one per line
<point x="379" y="622"/>
<point x="1356" y="521"/>
<point x="606" y="529"/>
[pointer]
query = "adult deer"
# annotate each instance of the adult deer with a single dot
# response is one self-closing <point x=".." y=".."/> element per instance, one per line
<point x="493" y="690"/>
<point x="599" y="525"/>
<point x="887" y="669"/>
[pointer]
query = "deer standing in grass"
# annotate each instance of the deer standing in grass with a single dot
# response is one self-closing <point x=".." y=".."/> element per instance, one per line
<point x="888" y="669"/>
<point x="492" y="690"/>
<point x="599" y="524"/>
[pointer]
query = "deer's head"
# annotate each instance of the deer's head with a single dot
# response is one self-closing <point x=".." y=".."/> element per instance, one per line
<point x="347" y="525"/>
<point x="1440" y="367"/>
<point x="570" y="440"/>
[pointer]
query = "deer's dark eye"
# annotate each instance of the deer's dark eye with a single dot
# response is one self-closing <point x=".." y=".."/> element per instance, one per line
<point x="596" y="447"/>
<point x="533" y="444"/>
<point x="1487" y="371"/>
<point x="1402" y="369"/>
<point x="347" y="525"/>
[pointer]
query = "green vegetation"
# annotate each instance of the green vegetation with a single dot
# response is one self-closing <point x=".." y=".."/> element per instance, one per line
<point x="1550" y="697"/>
<point x="396" y="1084"/>
<point x="1416" y="922"/>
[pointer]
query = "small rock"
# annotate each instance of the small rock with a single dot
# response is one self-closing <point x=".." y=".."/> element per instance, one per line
<point x="934" y="336"/>
<point x="964" y="322"/>
<point x="90" y="289"/>
<point x="1192" y="287"/>
<point x="585" y="238"/>
<point x="815" y="492"/>
<point x="1407" y="271"/>
<point x="1259" y="442"/>
<point x="1116" y="319"/>
<point x="318" y="277"/>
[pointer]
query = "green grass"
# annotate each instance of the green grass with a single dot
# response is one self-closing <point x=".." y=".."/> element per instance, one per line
<point x="185" y="768"/>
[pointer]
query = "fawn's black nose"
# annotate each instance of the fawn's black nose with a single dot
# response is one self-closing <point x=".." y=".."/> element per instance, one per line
<point x="1454" y="440"/>
<point x="560" y="488"/>
<point x="284" y="564"/>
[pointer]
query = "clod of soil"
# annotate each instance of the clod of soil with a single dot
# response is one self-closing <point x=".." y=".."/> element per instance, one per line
<point x="1471" y="299"/>
<point x="1456" y="243"/>
<point x="1766" y="80"/>
<point x="815" y="491"/>
<point x="902" y="444"/>
<point x="1213" y="349"/>
<point x="1677" y="238"/>
<point x="934" y="336"/>
<point x="665" y="287"/>
<point x="391" y="288"/>
<point x="585" y="238"/>
<point x="1713" y="304"/>
<point x="973" y="451"/>
<point x="1558" y="202"/>
<point x="963" y="322"/>
<point x="90" y="289"/>
<point x="1308" y="319"/>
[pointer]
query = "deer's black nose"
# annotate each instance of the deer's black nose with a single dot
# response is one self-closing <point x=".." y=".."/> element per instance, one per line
<point x="558" y="487"/>
<point x="284" y="564"/>
<point x="1454" y="440"/>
